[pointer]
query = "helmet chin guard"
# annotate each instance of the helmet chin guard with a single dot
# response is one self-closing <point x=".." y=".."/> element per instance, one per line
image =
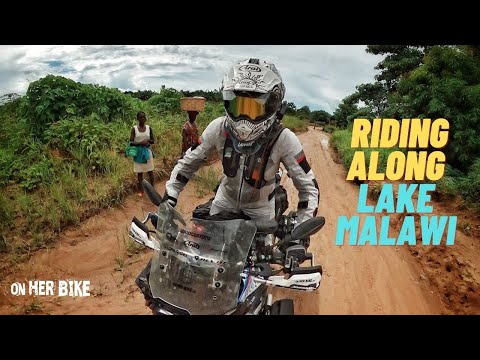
<point x="252" y="146"/>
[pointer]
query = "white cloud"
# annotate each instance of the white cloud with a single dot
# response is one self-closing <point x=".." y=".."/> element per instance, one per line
<point x="319" y="76"/>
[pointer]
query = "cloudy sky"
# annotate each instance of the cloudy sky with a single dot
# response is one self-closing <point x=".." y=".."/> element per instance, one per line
<point x="319" y="76"/>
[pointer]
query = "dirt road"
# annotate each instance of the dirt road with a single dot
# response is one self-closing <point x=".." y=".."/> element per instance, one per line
<point x="357" y="279"/>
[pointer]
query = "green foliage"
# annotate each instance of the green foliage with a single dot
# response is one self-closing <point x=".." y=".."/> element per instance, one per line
<point x="36" y="174"/>
<point x="361" y="113"/>
<point x="87" y="134"/>
<point x="141" y="94"/>
<point x="470" y="185"/>
<point x="295" y="124"/>
<point x="168" y="101"/>
<point x="10" y="109"/>
<point x="343" y="114"/>
<point x="399" y="60"/>
<point x="54" y="98"/>
<point x="374" y="96"/>
<point x="209" y="95"/>
<point x="212" y="111"/>
<point x="74" y="179"/>
<point x="7" y="158"/>
<point x="291" y="109"/>
<point x="66" y="209"/>
<point x="341" y="141"/>
<point x="15" y="134"/>
<point x="85" y="140"/>
<point x="320" y="116"/>
<point x="303" y="112"/>
<point x="448" y="185"/>
<point x="428" y="82"/>
<point x="6" y="213"/>
<point x="446" y="86"/>
<point x="27" y="165"/>
<point x="62" y="154"/>
<point x="329" y="129"/>
<point x="47" y="100"/>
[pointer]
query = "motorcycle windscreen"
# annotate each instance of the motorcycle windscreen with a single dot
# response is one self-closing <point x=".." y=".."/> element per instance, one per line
<point x="197" y="267"/>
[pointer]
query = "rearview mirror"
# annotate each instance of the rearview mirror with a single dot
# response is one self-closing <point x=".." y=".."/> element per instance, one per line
<point x="152" y="194"/>
<point x="308" y="228"/>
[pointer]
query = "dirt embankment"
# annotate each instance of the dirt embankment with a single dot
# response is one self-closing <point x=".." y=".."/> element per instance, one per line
<point x="357" y="279"/>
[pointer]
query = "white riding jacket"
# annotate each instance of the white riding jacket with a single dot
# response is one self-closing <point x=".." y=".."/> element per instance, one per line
<point x="234" y="192"/>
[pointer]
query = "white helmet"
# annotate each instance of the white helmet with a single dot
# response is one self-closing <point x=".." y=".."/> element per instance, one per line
<point x="252" y="92"/>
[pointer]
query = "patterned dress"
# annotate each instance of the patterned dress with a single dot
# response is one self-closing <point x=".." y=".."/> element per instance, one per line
<point x="190" y="135"/>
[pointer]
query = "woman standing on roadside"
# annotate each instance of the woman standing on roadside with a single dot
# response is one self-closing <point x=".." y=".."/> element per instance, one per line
<point x="141" y="135"/>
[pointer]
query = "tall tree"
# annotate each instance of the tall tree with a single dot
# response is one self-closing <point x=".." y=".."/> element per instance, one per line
<point x="447" y="86"/>
<point x="399" y="60"/>
<point x="345" y="110"/>
<point x="320" y="116"/>
<point x="291" y="109"/>
<point x="304" y="112"/>
<point x="374" y="96"/>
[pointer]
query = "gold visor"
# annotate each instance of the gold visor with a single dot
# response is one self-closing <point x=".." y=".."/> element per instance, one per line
<point x="256" y="108"/>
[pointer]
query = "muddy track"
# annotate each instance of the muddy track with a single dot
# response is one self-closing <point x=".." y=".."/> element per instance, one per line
<point x="357" y="279"/>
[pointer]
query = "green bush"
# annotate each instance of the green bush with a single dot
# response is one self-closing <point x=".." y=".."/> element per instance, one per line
<point x="329" y="128"/>
<point x="54" y="98"/>
<point x="89" y="141"/>
<point x="168" y="101"/>
<point x="28" y="165"/>
<point x="7" y="158"/>
<point x="294" y="123"/>
<point x="87" y="134"/>
<point x="448" y="185"/>
<point x="470" y="185"/>
<point x="6" y="212"/>
<point x="36" y="174"/>
<point x="341" y="142"/>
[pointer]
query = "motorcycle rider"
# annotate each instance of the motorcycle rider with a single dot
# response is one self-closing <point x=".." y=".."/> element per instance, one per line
<point x="251" y="143"/>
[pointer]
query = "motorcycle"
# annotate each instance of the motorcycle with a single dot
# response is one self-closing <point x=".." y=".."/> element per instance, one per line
<point x="224" y="264"/>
